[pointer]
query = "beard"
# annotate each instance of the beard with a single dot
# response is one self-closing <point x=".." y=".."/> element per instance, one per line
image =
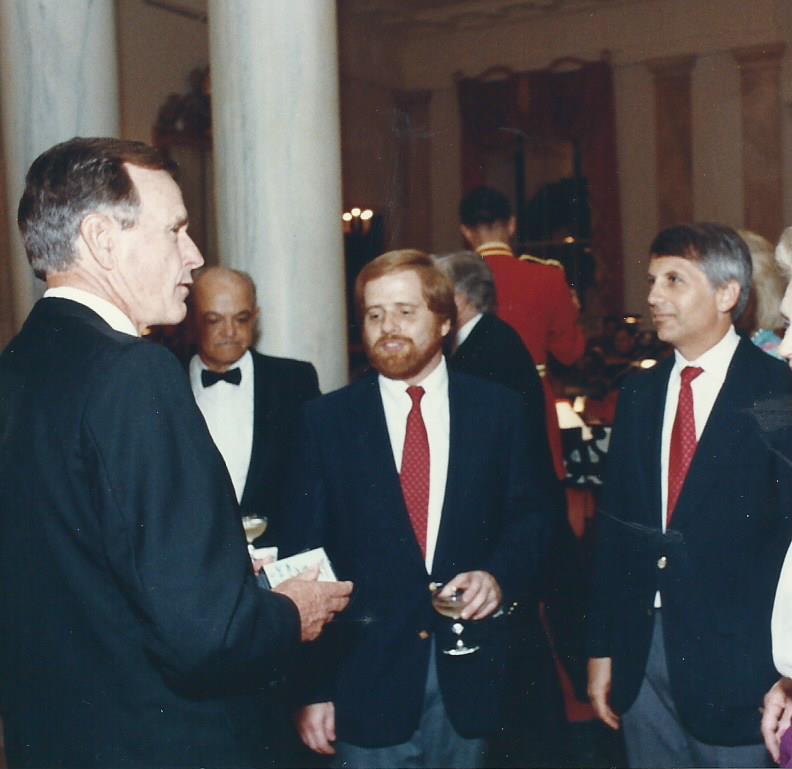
<point x="404" y="364"/>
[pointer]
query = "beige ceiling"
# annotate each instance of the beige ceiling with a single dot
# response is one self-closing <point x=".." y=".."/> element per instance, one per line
<point x="427" y="14"/>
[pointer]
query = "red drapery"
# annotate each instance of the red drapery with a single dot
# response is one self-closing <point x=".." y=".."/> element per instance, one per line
<point x="573" y="105"/>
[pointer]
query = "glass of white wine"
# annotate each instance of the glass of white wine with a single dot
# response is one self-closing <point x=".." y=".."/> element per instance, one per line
<point x="451" y="606"/>
<point x="254" y="526"/>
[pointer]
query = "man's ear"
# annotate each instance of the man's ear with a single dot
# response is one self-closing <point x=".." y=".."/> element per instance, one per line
<point x="468" y="234"/>
<point x="256" y="326"/>
<point x="98" y="233"/>
<point x="445" y="327"/>
<point x="511" y="226"/>
<point x="727" y="296"/>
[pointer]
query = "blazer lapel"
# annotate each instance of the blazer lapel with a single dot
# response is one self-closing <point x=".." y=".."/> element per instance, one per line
<point x="719" y="440"/>
<point x="379" y="470"/>
<point x="654" y="409"/>
<point x="461" y="466"/>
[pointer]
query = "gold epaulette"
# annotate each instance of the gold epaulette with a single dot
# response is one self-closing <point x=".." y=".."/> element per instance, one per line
<point x="494" y="249"/>
<point x="539" y="260"/>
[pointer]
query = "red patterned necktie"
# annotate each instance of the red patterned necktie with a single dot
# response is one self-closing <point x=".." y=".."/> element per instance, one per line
<point x="415" y="468"/>
<point x="683" y="439"/>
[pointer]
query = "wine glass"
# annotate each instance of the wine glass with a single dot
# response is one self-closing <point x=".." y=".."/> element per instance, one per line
<point x="451" y="606"/>
<point x="254" y="526"/>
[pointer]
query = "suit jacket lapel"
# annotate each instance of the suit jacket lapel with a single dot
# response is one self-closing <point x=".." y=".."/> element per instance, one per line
<point x="462" y="435"/>
<point x="719" y="440"/>
<point x="654" y="409"/>
<point x="264" y="404"/>
<point x="373" y="446"/>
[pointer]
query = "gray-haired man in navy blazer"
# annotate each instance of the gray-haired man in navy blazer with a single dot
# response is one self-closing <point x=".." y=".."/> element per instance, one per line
<point x="694" y="523"/>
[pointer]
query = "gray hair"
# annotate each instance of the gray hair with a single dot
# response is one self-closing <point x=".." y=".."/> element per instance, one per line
<point x="71" y="180"/>
<point x="471" y="276"/>
<point x="721" y="254"/>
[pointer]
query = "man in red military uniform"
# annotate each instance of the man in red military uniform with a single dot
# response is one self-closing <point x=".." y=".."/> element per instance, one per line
<point x="533" y="295"/>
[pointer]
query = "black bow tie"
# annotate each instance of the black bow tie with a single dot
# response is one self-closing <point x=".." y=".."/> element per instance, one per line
<point x="232" y="376"/>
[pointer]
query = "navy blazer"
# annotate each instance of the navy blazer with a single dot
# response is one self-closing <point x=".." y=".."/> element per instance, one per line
<point x="132" y="630"/>
<point x="347" y="497"/>
<point x="718" y="563"/>
<point x="281" y="388"/>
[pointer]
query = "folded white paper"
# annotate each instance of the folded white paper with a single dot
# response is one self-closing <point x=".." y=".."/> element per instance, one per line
<point x="296" y="564"/>
<point x="263" y="553"/>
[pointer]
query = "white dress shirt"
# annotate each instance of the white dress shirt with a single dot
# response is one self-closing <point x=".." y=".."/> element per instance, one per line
<point x="435" y="413"/>
<point x="706" y="386"/>
<point x="464" y="331"/>
<point x="107" y="311"/>
<point x="228" y="411"/>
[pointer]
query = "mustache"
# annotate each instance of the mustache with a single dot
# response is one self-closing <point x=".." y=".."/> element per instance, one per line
<point x="383" y="340"/>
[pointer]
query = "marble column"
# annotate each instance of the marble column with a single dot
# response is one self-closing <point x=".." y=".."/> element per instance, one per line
<point x="276" y="132"/>
<point x="760" y="71"/>
<point x="59" y="73"/>
<point x="674" y="138"/>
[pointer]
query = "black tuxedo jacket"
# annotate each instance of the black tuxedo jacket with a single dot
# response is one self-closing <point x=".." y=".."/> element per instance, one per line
<point x="347" y="497"/>
<point x="281" y="388"/>
<point x="493" y="350"/>
<point x="131" y="626"/>
<point x="718" y="563"/>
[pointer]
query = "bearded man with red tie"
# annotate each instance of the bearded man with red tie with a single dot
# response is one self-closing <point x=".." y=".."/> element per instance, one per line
<point x="412" y="476"/>
<point x="694" y="522"/>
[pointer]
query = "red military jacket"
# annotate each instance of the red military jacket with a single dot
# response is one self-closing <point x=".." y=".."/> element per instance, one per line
<point x="535" y="299"/>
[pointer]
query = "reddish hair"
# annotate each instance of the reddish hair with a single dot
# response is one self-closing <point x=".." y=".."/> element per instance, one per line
<point x="438" y="292"/>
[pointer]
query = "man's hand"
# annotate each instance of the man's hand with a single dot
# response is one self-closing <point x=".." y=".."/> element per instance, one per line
<point x="482" y="594"/>
<point x="599" y="686"/>
<point x="316" y="727"/>
<point x="776" y="715"/>
<point x="317" y="602"/>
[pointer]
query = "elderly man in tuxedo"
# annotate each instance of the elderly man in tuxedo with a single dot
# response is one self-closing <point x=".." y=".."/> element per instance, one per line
<point x="251" y="402"/>
<point x="694" y="522"/>
<point x="132" y="630"/>
<point x="415" y="477"/>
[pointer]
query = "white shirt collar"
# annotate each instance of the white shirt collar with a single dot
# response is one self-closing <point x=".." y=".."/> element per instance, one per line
<point x="436" y="381"/>
<point x="107" y="311"/>
<point x="466" y="328"/>
<point x="716" y="360"/>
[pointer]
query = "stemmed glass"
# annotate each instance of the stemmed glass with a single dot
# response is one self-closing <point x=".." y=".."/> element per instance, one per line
<point x="451" y="606"/>
<point x="254" y="526"/>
